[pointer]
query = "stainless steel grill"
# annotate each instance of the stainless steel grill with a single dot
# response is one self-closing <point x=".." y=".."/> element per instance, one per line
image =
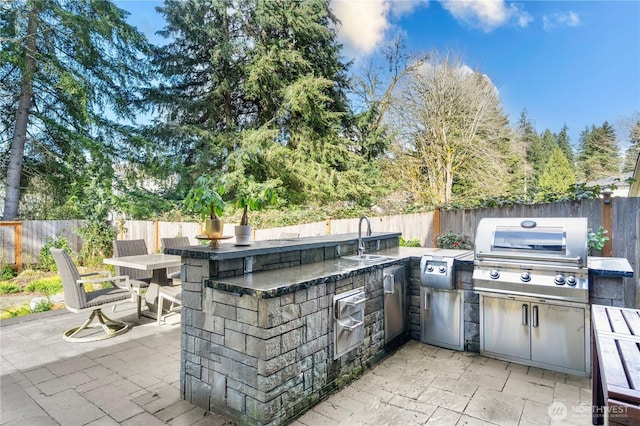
<point x="532" y="278"/>
<point x="539" y="257"/>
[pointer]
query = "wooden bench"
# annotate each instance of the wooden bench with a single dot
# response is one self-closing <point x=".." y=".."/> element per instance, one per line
<point x="615" y="351"/>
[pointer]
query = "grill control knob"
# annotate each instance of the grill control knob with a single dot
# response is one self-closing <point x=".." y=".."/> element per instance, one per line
<point x="442" y="269"/>
<point x="571" y="280"/>
<point x="429" y="268"/>
<point x="525" y="277"/>
<point x="559" y="279"/>
<point x="494" y="274"/>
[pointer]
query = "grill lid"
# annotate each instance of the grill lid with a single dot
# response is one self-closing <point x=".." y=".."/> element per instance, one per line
<point x="533" y="240"/>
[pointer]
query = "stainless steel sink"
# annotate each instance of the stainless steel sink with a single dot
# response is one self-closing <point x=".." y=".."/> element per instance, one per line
<point x="367" y="258"/>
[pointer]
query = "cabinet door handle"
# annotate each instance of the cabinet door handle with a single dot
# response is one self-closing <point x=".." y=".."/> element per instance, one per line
<point x="427" y="300"/>
<point x="525" y="314"/>
<point x="534" y="315"/>
<point x="391" y="287"/>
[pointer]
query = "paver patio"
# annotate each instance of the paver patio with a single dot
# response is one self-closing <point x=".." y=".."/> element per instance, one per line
<point x="133" y="379"/>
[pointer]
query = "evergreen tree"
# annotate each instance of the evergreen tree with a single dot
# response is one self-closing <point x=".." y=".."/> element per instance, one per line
<point x="556" y="178"/>
<point x="564" y="142"/>
<point x="254" y="89"/>
<point x="540" y="152"/>
<point x="67" y="68"/>
<point x="598" y="155"/>
<point x="527" y="139"/>
<point x="631" y="156"/>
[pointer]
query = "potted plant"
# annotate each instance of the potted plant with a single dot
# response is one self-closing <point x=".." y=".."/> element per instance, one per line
<point x="205" y="197"/>
<point x="256" y="198"/>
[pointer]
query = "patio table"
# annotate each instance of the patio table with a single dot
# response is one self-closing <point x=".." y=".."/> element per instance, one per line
<point x="155" y="262"/>
<point x="616" y="365"/>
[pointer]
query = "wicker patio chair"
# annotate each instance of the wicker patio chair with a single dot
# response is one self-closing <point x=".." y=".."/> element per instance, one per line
<point x="174" y="273"/>
<point x="77" y="300"/>
<point x="138" y="278"/>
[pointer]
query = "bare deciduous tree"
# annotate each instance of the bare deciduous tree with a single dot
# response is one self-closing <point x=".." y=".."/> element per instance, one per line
<point x="451" y="132"/>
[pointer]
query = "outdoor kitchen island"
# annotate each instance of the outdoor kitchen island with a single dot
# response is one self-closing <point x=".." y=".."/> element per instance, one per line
<point x="258" y="323"/>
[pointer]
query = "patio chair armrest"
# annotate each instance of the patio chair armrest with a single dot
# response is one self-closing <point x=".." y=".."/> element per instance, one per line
<point x="100" y="273"/>
<point x="122" y="278"/>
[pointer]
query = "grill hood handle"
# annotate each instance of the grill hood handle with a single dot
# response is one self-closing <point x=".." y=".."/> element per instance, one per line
<point x="485" y="256"/>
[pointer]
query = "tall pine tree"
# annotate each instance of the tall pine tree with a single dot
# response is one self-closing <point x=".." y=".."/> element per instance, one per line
<point x="598" y="154"/>
<point x="68" y="67"/>
<point x="632" y="153"/>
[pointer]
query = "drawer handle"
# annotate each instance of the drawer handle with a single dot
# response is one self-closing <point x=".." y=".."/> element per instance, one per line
<point x="354" y="325"/>
<point x="359" y="301"/>
<point x="525" y="314"/>
<point x="391" y="287"/>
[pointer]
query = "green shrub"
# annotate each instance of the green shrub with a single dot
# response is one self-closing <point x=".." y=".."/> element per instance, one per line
<point x="16" y="312"/>
<point x="453" y="240"/>
<point x="7" y="287"/>
<point x="597" y="240"/>
<point x="413" y="242"/>
<point x="43" y="306"/>
<point x="7" y="272"/>
<point x="48" y="285"/>
<point x="45" y="260"/>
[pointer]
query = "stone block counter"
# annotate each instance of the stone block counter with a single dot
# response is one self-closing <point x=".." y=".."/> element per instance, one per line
<point x="258" y="322"/>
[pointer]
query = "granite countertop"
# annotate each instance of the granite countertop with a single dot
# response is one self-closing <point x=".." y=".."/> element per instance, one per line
<point x="231" y="251"/>
<point x="610" y="267"/>
<point x="274" y="283"/>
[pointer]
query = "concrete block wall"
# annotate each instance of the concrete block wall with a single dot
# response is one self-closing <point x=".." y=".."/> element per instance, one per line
<point x="608" y="291"/>
<point x="264" y="361"/>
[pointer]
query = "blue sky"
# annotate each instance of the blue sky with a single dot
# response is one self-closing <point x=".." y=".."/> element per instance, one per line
<point x="564" y="61"/>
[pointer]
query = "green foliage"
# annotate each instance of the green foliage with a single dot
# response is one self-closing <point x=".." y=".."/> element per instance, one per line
<point x="556" y="178"/>
<point x="597" y="240"/>
<point x="453" y="240"/>
<point x="98" y="237"/>
<point x="598" y="153"/>
<point x="80" y="77"/>
<point x="413" y="242"/>
<point x="47" y="285"/>
<point x="42" y="306"/>
<point x="8" y="287"/>
<point x="7" y="272"/>
<point x="205" y="197"/>
<point x="16" y="312"/>
<point x="45" y="259"/>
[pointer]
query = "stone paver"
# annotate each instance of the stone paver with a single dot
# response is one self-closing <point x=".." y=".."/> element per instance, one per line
<point x="133" y="379"/>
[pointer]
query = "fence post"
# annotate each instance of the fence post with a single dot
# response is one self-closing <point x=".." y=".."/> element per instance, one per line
<point x="327" y="223"/>
<point x="18" y="249"/>
<point x="436" y="223"/>
<point x="607" y="250"/>
<point x="156" y="236"/>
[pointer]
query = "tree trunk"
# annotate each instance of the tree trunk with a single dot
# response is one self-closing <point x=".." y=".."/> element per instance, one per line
<point x="16" y="156"/>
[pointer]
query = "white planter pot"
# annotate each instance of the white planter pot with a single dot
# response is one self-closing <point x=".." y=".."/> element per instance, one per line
<point x="243" y="235"/>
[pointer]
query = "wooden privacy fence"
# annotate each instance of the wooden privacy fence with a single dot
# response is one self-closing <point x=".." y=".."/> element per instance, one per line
<point x="620" y="216"/>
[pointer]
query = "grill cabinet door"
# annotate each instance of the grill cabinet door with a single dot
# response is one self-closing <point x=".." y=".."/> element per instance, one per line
<point x="505" y="327"/>
<point x="558" y="336"/>
<point x="441" y="317"/>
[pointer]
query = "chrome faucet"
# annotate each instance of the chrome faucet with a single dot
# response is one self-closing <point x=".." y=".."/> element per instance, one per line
<point x="360" y="242"/>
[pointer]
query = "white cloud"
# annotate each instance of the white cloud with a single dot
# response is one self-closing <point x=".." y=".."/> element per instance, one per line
<point x="568" y="19"/>
<point x="365" y="23"/>
<point x="486" y="14"/>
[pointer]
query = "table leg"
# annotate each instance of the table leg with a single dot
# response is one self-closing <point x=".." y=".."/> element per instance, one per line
<point x="158" y="278"/>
